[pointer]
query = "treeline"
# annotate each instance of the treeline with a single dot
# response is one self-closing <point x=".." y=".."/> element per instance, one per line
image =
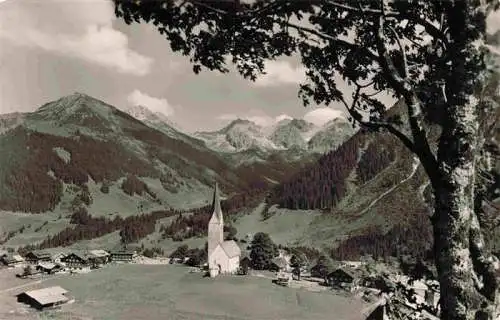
<point x="323" y="184"/>
<point x="133" y="185"/>
<point x="133" y="228"/>
<point x="29" y="188"/>
<point x="87" y="227"/>
<point x="412" y="238"/>
<point x="196" y="224"/>
<point x="373" y="160"/>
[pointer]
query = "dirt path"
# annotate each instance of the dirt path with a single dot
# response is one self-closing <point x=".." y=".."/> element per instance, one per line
<point x="416" y="163"/>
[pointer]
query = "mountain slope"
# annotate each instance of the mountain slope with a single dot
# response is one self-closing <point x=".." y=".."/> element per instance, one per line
<point x="368" y="185"/>
<point x="162" y="123"/>
<point x="78" y="140"/>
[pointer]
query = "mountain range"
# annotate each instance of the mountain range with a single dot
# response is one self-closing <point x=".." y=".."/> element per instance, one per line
<point x="79" y="140"/>
<point x="287" y="134"/>
<point x="358" y="185"/>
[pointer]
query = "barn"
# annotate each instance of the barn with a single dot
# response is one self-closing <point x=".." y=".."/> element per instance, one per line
<point x="44" y="298"/>
<point x="75" y="260"/>
<point x="35" y="257"/>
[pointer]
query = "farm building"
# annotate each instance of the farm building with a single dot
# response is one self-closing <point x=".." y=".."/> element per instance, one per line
<point x="280" y="264"/>
<point x="378" y="282"/>
<point x="75" y="260"/>
<point x="56" y="257"/>
<point x="122" y="256"/>
<point x="35" y="257"/>
<point x="48" y="267"/>
<point x="12" y="260"/>
<point x="223" y="256"/>
<point x="44" y="298"/>
<point x="99" y="257"/>
<point x="344" y="278"/>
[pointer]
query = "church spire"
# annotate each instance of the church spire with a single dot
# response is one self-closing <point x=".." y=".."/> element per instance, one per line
<point x="217" y="211"/>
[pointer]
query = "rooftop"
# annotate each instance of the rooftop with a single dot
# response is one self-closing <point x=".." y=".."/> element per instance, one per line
<point x="99" y="253"/>
<point x="47" y="265"/>
<point x="281" y="262"/>
<point x="231" y="248"/>
<point x="48" y="295"/>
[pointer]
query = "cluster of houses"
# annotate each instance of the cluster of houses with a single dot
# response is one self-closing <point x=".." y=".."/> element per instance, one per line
<point x="45" y="262"/>
<point x="350" y="276"/>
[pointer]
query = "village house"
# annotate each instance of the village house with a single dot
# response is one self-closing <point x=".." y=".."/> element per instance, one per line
<point x="280" y="264"/>
<point x="56" y="257"/>
<point x="351" y="264"/>
<point x="122" y="256"/>
<point x="12" y="260"/>
<point x="75" y="260"/>
<point x="44" y="298"/>
<point x="378" y="282"/>
<point x="34" y="257"/>
<point x="344" y="278"/>
<point x="48" y="267"/>
<point x="99" y="257"/>
<point x="223" y="256"/>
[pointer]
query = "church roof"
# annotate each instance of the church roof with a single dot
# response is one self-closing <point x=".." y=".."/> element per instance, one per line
<point x="231" y="248"/>
<point x="217" y="211"/>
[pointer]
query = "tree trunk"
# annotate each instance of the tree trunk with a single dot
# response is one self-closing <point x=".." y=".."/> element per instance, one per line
<point x="466" y="273"/>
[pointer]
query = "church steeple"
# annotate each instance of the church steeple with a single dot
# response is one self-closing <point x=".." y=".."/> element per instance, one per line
<point x="217" y="211"/>
<point x="216" y="223"/>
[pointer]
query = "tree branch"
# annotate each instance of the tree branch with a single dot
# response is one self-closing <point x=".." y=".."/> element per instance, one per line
<point x="429" y="27"/>
<point x="415" y="116"/>
<point x="392" y="74"/>
<point x="334" y="40"/>
<point x="403" y="53"/>
<point x="376" y="124"/>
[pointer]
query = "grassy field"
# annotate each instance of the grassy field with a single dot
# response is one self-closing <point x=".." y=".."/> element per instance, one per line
<point x="284" y="226"/>
<point x="171" y="292"/>
<point x="36" y="226"/>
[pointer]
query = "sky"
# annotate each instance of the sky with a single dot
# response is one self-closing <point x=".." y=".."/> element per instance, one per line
<point x="53" y="48"/>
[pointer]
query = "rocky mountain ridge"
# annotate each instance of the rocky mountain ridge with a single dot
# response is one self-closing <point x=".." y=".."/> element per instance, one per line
<point x="241" y="134"/>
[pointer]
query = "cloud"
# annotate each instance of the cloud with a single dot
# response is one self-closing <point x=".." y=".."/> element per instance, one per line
<point x="320" y="116"/>
<point x="280" y="73"/>
<point x="161" y="105"/>
<point x="80" y="29"/>
<point x="261" y="120"/>
<point x="493" y="22"/>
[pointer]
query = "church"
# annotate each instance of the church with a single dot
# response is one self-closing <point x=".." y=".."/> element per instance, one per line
<point x="223" y="256"/>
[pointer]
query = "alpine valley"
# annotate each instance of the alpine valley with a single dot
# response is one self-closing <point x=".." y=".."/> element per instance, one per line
<point x="79" y="172"/>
